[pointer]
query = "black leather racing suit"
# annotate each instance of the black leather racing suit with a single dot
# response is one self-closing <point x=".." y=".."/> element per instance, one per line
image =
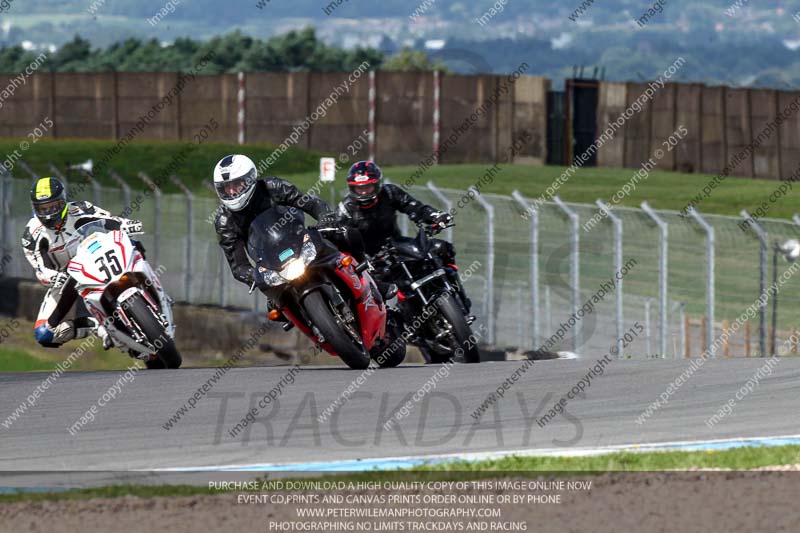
<point x="378" y="223"/>
<point x="232" y="226"/>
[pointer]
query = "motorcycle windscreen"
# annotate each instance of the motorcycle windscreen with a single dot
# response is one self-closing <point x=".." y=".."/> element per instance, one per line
<point x="275" y="236"/>
<point x="86" y="230"/>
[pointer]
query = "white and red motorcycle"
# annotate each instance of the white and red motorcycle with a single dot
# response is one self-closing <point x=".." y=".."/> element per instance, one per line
<point x="124" y="294"/>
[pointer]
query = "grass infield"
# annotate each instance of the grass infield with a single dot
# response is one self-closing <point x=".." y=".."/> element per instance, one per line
<point x="664" y="190"/>
<point x="738" y="459"/>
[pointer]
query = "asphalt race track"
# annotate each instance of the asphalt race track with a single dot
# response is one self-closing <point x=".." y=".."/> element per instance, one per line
<point x="128" y="432"/>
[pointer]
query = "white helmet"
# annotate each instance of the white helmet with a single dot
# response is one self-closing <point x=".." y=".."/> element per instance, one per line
<point x="235" y="180"/>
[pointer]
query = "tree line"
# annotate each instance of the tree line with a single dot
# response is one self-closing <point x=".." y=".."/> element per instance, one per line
<point x="293" y="51"/>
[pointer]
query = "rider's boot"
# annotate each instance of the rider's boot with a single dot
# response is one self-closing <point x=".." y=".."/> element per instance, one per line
<point x="68" y="330"/>
<point x="104" y="336"/>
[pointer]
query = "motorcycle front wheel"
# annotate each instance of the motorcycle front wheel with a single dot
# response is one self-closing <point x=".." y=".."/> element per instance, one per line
<point x="461" y="334"/>
<point x="167" y="354"/>
<point x="329" y="323"/>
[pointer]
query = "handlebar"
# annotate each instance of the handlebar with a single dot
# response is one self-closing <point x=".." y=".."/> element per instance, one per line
<point x="337" y="229"/>
<point x="434" y="229"/>
<point x="428" y="229"/>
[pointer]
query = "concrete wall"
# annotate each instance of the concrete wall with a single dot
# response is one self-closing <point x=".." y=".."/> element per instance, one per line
<point x="109" y="105"/>
<point x="721" y="122"/>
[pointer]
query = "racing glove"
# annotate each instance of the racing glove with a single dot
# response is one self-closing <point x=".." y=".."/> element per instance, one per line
<point x="58" y="280"/>
<point x="328" y="220"/>
<point x="441" y="218"/>
<point x="132" y="226"/>
<point x="244" y="274"/>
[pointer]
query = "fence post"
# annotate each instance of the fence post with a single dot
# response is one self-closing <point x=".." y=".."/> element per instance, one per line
<point x="620" y="316"/>
<point x="534" y="271"/>
<point x="156" y="214"/>
<point x="223" y="263"/>
<point x="60" y="175"/>
<point x="242" y="107"/>
<point x="747" y="342"/>
<point x="647" y="333"/>
<point x="520" y="313"/>
<point x="371" y="95"/>
<point x="437" y="116"/>
<point x="187" y="268"/>
<point x="490" y="315"/>
<point x="684" y="341"/>
<point x="448" y="205"/>
<point x="33" y="175"/>
<point x="548" y="317"/>
<point x="687" y="337"/>
<point x="663" y="272"/>
<point x="710" y="275"/>
<point x="762" y="278"/>
<point x="5" y="192"/>
<point x="126" y="191"/>
<point x="574" y="268"/>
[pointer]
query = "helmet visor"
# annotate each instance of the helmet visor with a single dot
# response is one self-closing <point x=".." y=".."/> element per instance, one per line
<point x="234" y="188"/>
<point x="365" y="190"/>
<point x="49" y="208"/>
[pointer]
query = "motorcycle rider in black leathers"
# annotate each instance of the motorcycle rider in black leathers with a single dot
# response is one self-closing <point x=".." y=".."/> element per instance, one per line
<point x="244" y="197"/>
<point x="371" y="208"/>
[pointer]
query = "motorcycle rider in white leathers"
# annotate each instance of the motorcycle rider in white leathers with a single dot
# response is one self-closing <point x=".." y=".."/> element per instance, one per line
<point x="44" y="241"/>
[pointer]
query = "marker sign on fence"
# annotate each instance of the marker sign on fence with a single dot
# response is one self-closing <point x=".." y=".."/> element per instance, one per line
<point x="327" y="169"/>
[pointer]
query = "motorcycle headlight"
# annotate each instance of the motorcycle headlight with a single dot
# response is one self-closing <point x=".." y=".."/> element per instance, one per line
<point x="294" y="269"/>
<point x="308" y="253"/>
<point x="272" y="278"/>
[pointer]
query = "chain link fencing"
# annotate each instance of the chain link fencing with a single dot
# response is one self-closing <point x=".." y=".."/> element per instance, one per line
<point x="522" y="302"/>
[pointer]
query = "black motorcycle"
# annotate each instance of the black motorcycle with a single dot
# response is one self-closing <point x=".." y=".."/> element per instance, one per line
<point x="434" y="315"/>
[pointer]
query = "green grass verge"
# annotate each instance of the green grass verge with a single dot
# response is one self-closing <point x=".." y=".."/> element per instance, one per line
<point x="735" y="459"/>
<point x="19" y="352"/>
<point x="744" y="458"/>
<point x="154" y="158"/>
<point x="15" y="360"/>
<point x="664" y="190"/>
<point x="24" y="360"/>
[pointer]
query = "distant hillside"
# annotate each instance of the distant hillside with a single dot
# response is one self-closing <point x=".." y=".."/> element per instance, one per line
<point x="740" y="42"/>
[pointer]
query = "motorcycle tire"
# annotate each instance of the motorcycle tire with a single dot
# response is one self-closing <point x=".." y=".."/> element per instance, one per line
<point x="354" y="355"/>
<point x="390" y="355"/>
<point x="452" y="313"/>
<point x="168" y="355"/>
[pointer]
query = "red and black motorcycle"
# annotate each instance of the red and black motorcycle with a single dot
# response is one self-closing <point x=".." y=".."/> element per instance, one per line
<point x="324" y="292"/>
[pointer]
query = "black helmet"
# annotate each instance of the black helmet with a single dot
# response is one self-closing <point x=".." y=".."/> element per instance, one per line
<point x="49" y="201"/>
<point x="364" y="182"/>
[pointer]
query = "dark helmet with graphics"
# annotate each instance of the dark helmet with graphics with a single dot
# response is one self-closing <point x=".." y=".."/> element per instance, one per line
<point x="364" y="181"/>
<point x="49" y="202"/>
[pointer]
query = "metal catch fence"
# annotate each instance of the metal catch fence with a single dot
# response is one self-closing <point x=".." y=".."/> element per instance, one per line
<point x="527" y="271"/>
